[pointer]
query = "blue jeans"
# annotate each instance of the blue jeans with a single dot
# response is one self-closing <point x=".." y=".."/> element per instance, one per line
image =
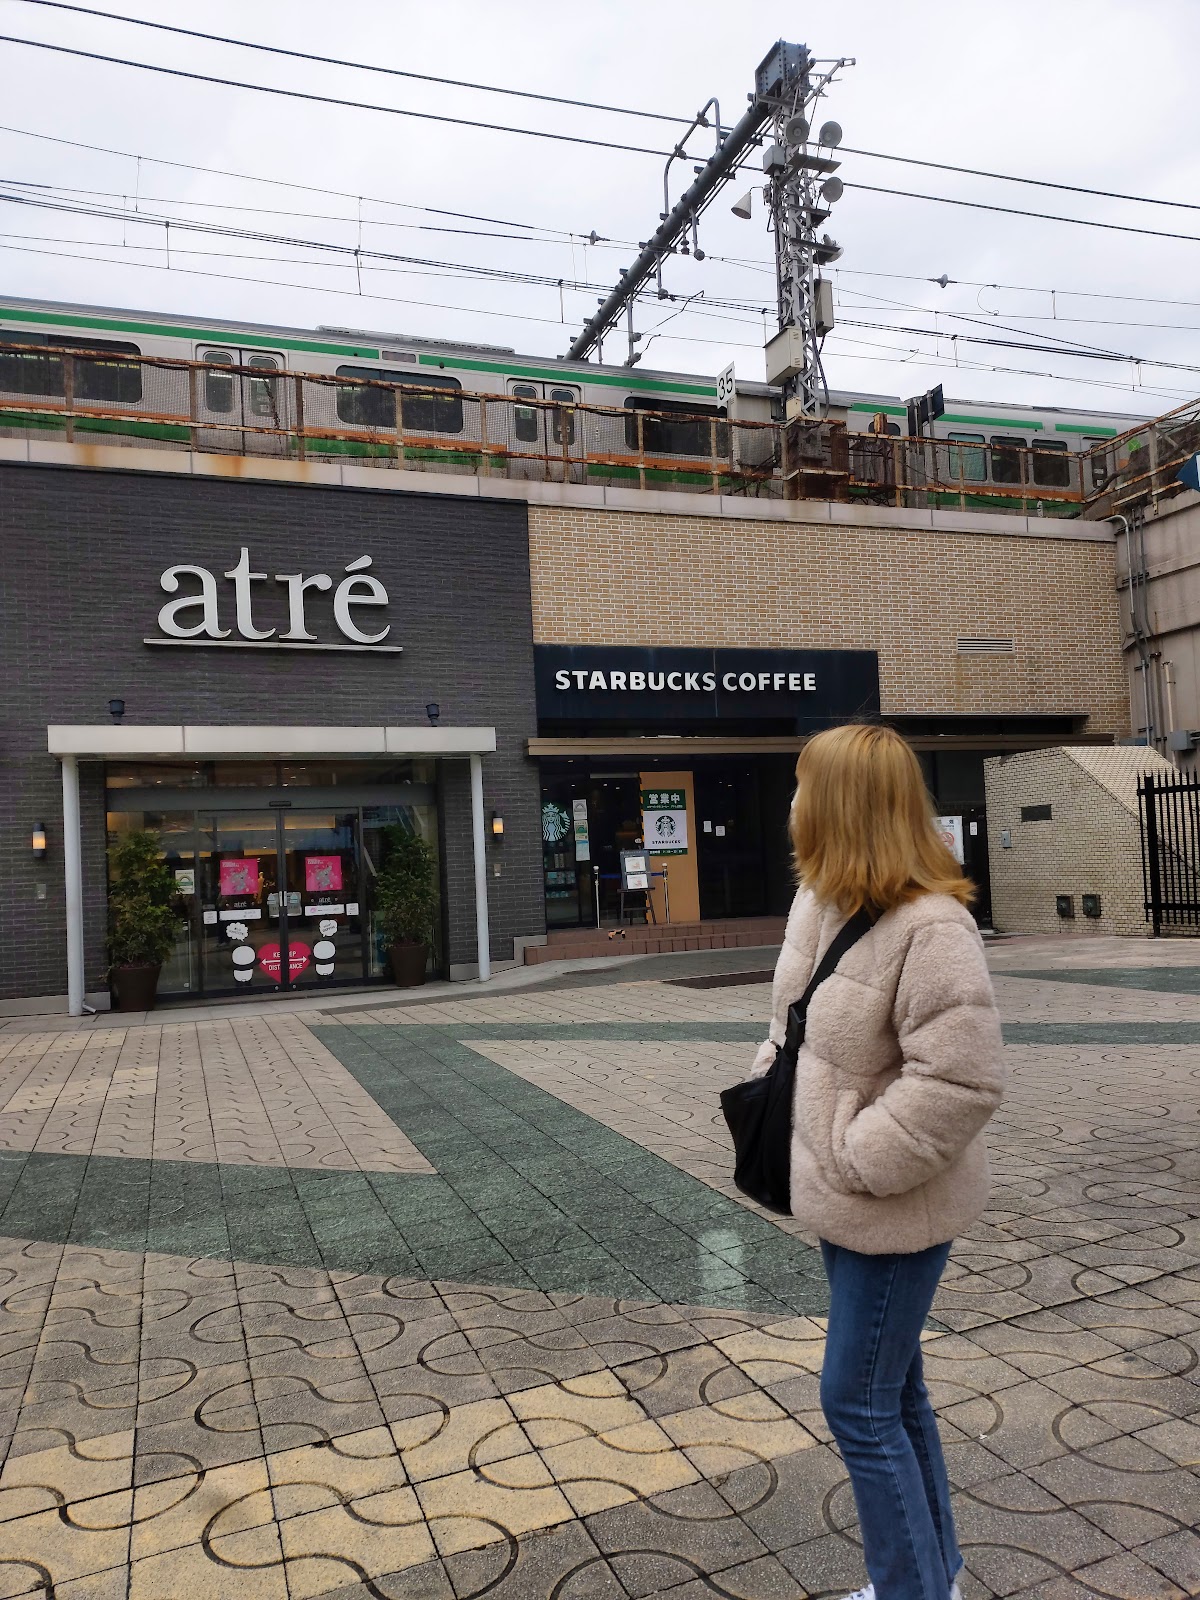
<point x="874" y="1398"/>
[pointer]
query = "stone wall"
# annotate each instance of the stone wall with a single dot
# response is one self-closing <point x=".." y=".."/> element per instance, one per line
<point x="886" y="580"/>
<point x="1090" y="844"/>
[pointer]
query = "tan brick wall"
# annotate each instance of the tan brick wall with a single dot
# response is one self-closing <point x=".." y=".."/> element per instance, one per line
<point x="1091" y="845"/>
<point x="615" y="577"/>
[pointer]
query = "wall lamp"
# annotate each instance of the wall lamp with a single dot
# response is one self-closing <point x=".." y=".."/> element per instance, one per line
<point x="497" y="825"/>
<point x="116" y="709"/>
<point x="37" y="842"/>
<point x="433" y="711"/>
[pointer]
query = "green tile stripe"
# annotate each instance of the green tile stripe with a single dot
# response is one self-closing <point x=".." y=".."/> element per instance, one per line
<point x="528" y="1192"/>
<point x="1156" y="980"/>
<point x="1161" y="1033"/>
<point x="1080" y="1032"/>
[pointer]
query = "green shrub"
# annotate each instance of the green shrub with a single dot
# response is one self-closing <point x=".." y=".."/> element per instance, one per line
<point x="406" y="888"/>
<point x="143" y="909"/>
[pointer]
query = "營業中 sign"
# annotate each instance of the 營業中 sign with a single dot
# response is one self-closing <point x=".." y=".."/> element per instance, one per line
<point x="665" y="821"/>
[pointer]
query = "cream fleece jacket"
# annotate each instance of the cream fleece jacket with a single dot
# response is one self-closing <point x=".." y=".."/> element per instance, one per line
<point x="900" y="1070"/>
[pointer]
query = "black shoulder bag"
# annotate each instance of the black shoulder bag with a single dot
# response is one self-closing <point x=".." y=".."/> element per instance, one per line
<point x="759" y="1111"/>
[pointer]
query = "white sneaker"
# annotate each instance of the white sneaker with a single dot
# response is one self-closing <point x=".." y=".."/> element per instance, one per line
<point x="869" y="1592"/>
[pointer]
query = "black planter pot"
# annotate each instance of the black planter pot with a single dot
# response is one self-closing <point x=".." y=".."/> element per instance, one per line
<point x="136" y="988"/>
<point x="409" y="962"/>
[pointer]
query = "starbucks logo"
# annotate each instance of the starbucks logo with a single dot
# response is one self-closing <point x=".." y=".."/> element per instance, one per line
<point x="556" y="823"/>
<point x="664" y="827"/>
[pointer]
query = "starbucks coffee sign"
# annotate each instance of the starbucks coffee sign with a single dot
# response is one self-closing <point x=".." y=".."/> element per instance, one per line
<point x="800" y="690"/>
<point x="291" y="616"/>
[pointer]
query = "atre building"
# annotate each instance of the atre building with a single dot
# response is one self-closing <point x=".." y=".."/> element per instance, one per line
<point x="271" y="661"/>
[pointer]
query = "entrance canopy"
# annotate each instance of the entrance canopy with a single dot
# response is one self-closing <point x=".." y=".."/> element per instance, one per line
<point x="98" y="741"/>
<point x="224" y="740"/>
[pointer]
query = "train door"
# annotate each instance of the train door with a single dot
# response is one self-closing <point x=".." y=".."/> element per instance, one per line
<point x="546" y="440"/>
<point x="241" y="410"/>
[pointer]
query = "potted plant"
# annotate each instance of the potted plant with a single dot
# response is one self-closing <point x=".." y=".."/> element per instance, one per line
<point x="144" y="918"/>
<point x="405" y="901"/>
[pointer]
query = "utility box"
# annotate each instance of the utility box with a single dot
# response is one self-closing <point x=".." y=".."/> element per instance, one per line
<point x="823" y="307"/>
<point x="785" y="355"/>
<point x="785" y="352"/>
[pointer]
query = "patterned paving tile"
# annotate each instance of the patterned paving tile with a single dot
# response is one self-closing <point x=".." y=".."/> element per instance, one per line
<point x="457" y="1299"/>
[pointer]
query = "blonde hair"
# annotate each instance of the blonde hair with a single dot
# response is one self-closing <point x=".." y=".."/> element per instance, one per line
<point x="861" y="823"/>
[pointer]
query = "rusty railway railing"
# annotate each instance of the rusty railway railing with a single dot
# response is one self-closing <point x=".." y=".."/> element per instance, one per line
<point x="170" y="403"/>
<point x="1138" y="469"/>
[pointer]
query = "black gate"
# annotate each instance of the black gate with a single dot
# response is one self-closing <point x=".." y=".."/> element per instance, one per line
<point x="1169" y="812"/>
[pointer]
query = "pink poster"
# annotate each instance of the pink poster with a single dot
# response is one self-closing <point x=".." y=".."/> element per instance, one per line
<point x="322" y="874"/>
<point x="239" y="877"/>
<point x="270" y="958"/>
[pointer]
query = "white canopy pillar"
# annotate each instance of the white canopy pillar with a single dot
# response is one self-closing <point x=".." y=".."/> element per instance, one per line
<point x="479" y="841"/>
<point x="73" y="874"/>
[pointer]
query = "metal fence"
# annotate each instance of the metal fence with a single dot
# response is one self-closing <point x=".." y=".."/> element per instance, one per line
<point x="1169" y="813"/>
<point x="424" y="425"/>
<point x="1138" y="468"/>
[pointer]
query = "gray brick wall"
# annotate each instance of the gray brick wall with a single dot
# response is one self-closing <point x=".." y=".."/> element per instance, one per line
<point x="80" y="558"/>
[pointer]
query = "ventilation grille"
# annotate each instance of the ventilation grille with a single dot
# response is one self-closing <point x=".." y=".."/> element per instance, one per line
<point x="968" y="646"/>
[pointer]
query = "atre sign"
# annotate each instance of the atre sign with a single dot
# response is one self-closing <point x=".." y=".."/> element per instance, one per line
<point x="804" y="689"/>
<point x="197" y="616"/>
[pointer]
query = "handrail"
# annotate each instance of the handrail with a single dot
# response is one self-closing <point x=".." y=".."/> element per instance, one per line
<point x="302" y="415"/>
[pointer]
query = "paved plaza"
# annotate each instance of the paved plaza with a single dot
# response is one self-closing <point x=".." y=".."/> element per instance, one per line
<point x="457" y="1298"/>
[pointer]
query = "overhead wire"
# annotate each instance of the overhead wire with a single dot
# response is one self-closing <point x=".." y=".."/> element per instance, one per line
<point x="1016" y="211"/>
<point x="357" y="66"/>
<point x="598" y="241"/>
<point x="892" y="358"/>
<point x="587" y="105"/>
<point x="1000" y="177"/>
<point x="330" y="100"/>
<point x="324" y="289"/>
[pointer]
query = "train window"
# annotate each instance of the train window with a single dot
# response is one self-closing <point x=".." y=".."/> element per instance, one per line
<point x="261" y="391"/>
<point x="682" y="429"/>
<point x="28" y="372"/>
<point x="968" y="465"/>
<point x="1051" y="464"/>
<point x="563" y="421"/>
<point x="1006" y="458"/>
<point x="218" y="386"/>
<point x="423" y="412"/>
<point x="525" y="418"/>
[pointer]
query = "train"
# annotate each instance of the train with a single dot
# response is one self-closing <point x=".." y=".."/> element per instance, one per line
<point x="625" y="415"/>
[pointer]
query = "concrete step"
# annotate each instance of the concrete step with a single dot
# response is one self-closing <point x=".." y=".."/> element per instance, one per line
<point x="575" y="944"/>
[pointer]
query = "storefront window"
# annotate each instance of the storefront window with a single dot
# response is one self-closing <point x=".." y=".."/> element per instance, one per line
<point x="278" y="893"/>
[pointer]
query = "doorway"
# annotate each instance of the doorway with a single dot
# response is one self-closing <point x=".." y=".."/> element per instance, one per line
<point x="233" y="404"/>
<point x="280" y="894"/>
<point x="547" y="440"/>
<point x="276" y="885"/>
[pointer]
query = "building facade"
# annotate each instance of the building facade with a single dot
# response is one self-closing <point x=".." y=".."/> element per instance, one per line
<point x="972" y="633"/>
<point x="268" y="675"/>
<point x="269" y="663"/>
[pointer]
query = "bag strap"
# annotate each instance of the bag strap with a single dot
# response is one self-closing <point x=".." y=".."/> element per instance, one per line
<point x="861" y="922"/>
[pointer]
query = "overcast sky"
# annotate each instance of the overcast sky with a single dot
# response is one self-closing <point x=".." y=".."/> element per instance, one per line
<point x="1078" y="91"/>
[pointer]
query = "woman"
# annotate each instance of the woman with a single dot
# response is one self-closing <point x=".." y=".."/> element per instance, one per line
<point x="899" y="1072"/>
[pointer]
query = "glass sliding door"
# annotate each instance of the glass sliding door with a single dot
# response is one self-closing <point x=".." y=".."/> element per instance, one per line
<point x="275" y="883"/>
<point x="237" y="885"/>
<point x="321" y="868"/>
